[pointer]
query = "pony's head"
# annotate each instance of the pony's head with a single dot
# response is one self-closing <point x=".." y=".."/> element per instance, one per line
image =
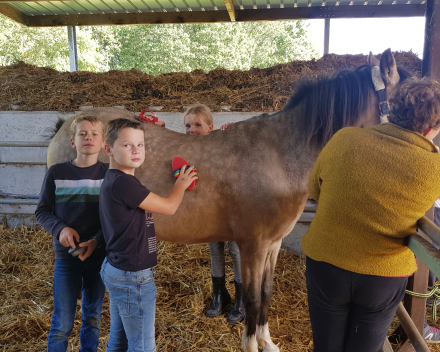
<point x="325" y="105"/>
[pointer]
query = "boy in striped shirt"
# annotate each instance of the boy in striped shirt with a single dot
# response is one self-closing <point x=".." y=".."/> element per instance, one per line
<point x="69" y="210"/>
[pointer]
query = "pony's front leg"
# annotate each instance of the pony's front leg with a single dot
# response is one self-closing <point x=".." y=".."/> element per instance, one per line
<point x="263" y="335"/>
<point x="252" y="267"/>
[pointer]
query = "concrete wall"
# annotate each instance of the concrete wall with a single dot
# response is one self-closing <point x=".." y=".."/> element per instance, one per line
<point x="22" y="169"/>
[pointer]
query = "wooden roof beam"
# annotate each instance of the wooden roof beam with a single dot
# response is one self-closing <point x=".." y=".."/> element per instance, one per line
<point x="231" y="9"/>
<point x="13" y="14"/>
<point x="342" y="11"/>
<point x="129" y="18"/>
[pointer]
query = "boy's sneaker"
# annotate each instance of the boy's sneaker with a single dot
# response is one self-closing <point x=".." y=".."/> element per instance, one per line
<point x="431" y="334"/>
<point x="430" y="301"/>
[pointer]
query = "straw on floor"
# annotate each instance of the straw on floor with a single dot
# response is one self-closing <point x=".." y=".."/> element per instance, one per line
<point x="183" y="292"/>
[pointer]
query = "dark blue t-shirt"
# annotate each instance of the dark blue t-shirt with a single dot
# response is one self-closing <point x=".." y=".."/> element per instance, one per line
<point x="128" y="231"/>
<point x="69" y="198"/>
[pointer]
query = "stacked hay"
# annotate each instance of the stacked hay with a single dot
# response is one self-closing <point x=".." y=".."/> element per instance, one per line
<point x="43" y="89"/>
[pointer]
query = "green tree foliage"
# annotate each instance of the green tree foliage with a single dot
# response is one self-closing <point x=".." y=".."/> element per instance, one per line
<point x="158" y="49"/>
<point x="234" y="46"/>
<point x="49" y="47"/>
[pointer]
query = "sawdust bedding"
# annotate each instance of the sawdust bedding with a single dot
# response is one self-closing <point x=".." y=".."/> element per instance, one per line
<point x="28" y="87"/>
<point x="183" y="292"/>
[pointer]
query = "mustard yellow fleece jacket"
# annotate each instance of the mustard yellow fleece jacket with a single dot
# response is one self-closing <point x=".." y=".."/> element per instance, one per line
<point x="372" y="185"/>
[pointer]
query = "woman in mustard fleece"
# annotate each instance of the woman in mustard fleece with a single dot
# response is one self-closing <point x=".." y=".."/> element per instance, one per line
<point x="372" y="185"/>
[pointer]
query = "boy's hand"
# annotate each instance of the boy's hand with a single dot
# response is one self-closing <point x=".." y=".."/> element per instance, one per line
<point x="186" y="177"/>
<point x="91" y="245"/>
<point x="66" y="237"/>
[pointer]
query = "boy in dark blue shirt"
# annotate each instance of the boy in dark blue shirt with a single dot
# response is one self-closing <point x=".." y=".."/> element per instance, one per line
<point x="125" y="207"/>
<point x="68" y="210"/>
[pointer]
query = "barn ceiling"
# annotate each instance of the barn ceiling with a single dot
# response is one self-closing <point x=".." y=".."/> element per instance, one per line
<point x="113" y="12"/>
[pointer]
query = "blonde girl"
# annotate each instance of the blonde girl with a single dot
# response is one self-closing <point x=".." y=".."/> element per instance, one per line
<point x="198" y="120"/>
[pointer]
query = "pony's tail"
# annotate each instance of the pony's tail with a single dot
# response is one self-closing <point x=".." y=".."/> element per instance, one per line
<point x="51" y="132"/>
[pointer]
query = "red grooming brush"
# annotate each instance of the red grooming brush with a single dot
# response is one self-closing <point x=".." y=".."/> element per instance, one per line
<point x="177" y="164"/>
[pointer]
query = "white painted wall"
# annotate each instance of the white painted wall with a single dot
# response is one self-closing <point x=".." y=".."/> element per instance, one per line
<point x="34" y="126"/>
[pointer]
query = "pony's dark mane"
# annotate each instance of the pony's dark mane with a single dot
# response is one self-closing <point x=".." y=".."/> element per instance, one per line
<point x="328" y="104"/>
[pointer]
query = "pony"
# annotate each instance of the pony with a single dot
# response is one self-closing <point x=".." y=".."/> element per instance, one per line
<point x="253" y="177"/>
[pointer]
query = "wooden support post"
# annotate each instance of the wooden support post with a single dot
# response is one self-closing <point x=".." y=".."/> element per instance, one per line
<point x="326" y="35"/>
<point x="431" y="50"/>
<point x="73" y="49"/>
<point x="416" y="307"/>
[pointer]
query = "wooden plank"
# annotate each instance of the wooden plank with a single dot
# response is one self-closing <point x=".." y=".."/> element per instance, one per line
<point x="354" y="11"/>
<point x="387" y="346"/>
<point x="406" y="347"/>
<point x="231" y="9"/>
<point x="411" y="331"/>
<point x="426" y="252"/>
<point x="416" y="306"/>
<point x="129" y="18"/>
<point x="429" y="229"/>
<point x="13" y="14"/>
<point x="431" y="52"/>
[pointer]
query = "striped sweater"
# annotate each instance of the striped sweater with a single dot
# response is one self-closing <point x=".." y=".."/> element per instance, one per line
<point x="69" y="197"/>
<point x="372" y="185"/>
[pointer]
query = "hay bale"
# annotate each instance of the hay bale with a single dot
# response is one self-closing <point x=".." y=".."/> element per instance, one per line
<point x="29" y="87"/>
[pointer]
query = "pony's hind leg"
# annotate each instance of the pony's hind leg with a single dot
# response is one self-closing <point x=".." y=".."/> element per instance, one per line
<point x="252" y="267"/>
<point x="262" y="332"/>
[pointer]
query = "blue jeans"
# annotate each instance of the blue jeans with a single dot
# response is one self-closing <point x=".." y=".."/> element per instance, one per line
<point x="132" y="308"/>
<point x="70" y="276"/>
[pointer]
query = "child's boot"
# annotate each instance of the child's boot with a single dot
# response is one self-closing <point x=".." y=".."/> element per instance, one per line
<point x="220" y="297"/>
<point x="237" y="312"/>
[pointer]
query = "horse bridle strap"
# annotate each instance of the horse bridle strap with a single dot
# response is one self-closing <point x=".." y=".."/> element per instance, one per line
<point x="379" y="87"/>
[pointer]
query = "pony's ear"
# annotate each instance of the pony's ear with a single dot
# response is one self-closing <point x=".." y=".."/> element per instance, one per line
<point x="372" y="60"/>
<point x="388" y="69"/>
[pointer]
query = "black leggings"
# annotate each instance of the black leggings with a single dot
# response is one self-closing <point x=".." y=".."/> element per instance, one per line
<point x="350" y="312"/>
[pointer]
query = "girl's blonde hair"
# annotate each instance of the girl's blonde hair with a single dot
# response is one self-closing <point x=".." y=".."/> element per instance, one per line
<point x="202" y="111"/>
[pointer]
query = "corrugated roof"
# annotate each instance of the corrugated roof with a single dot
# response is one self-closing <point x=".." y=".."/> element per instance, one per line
<point x="82" y="7"/>
<point x="114" y="12"/>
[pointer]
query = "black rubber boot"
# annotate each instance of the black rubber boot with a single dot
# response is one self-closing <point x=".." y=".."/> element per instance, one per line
<point x="237" y="312"/>
<point x="220" y="297"/>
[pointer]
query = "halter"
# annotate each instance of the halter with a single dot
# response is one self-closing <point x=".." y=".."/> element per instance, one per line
<point x="379" y="87"/>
